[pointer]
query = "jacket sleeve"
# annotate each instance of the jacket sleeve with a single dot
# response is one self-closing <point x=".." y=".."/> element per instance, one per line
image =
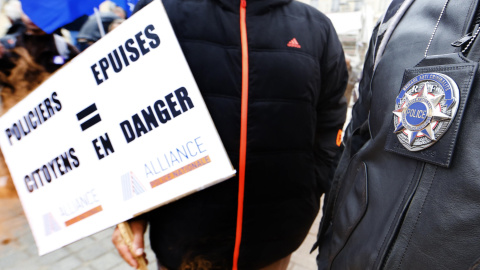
<point x="357" y="131"/>
<point x="331" y="108"/>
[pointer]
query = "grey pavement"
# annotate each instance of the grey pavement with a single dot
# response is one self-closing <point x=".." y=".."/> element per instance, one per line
<point x="96" y="252"/>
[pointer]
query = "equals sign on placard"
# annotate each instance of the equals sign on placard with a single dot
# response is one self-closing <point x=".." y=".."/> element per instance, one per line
<point x="92" y="120"/>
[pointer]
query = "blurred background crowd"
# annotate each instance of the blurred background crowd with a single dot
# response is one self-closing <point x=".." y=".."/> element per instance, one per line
<point x="80" y="30"/>
<point x="53" y="45"/>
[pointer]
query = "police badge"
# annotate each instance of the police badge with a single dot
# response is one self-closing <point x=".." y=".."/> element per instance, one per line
<point x="428" y="110"/>
<point x="424" y="110"/>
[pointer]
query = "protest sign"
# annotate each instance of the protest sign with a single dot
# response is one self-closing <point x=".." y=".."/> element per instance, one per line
<point x="119" y="130"/>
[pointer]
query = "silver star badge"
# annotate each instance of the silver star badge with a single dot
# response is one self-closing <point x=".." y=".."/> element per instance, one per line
<point x="424" y="110"/>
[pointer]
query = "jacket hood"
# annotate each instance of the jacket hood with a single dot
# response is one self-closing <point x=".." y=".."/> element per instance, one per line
<point x="253" y="6"/>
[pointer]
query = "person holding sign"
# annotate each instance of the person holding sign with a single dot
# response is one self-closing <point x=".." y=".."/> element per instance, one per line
<point x="273" y="76"/>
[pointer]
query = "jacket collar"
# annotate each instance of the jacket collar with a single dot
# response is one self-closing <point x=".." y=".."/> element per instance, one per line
<point x="253" y="6"/>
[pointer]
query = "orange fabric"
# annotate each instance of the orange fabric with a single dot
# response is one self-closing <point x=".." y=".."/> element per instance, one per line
<point x="339" y="137"/>
<point x="243" y="132"/>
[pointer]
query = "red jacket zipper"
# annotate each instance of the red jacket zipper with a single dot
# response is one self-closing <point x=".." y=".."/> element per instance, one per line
<point x="243" y="132"/>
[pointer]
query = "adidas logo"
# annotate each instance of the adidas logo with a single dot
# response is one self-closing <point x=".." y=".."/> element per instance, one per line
<point x="294" y="43"/>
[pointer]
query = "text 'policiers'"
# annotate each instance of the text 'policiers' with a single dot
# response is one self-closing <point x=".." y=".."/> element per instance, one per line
<point x="34" y="118"/>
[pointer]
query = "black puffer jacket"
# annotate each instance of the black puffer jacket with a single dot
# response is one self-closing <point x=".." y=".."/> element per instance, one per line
<point x="296" y="80"/>
<point x="392" y="208"/>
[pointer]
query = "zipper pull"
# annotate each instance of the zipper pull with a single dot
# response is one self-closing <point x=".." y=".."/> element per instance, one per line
<point x="468" y="37"/>
<point x="459" y="42"/>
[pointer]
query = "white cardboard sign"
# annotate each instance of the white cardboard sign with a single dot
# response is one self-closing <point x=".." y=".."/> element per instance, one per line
<point x="119" y="130"/>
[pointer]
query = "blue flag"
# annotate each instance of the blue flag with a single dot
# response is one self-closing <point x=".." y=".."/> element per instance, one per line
<point x="50" y="15"/>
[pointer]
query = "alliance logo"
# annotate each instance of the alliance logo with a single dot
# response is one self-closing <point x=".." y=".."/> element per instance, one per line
<point x="131" y="186"/>
<point x="424" y="110"/>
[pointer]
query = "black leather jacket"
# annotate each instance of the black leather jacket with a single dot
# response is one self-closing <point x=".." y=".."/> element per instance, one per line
<point x="391" y="208"/>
